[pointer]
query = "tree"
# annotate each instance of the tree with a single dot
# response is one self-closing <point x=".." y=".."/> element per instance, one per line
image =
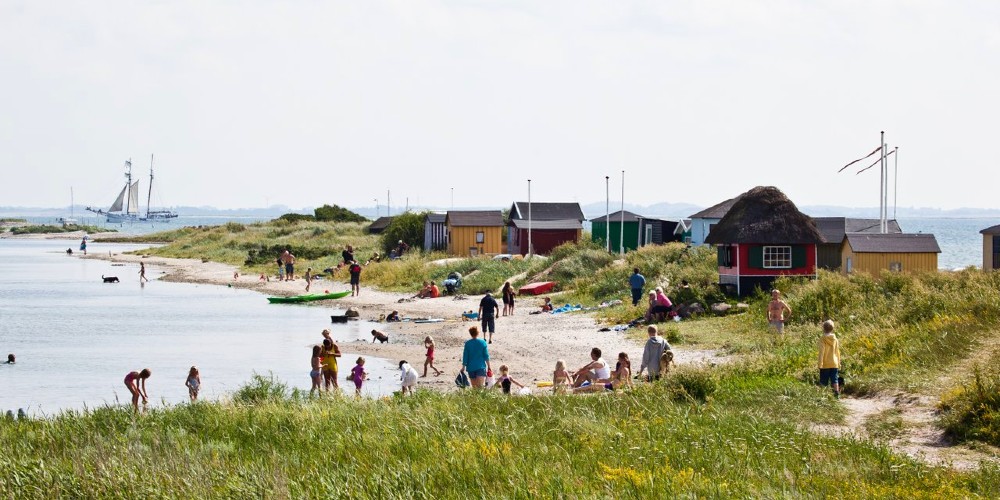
<point x="326" y="213"/>
<point x="408" y="227"/>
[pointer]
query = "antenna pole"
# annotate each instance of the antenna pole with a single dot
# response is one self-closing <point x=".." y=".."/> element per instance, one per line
<point x="149" y="196"/>
<point x="607" y="213"/>
<point x="895" y="183"/>
<point x="621" y="228"/>
<point x="881" y="187"/>
<point x="529" y="218"/>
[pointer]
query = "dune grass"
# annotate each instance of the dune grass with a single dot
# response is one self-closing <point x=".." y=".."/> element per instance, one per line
<point x="747" y="441"/>
<point x="53" y="229"/>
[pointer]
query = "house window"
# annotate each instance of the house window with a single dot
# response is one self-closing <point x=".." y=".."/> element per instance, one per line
<point x="726" y="256"/>
<point x="777" y="257"/>
<point x="896" y="266"/>
<point x="649" y="235"/>
<point x="480" y="236"/>
<point x="850" y="265"/>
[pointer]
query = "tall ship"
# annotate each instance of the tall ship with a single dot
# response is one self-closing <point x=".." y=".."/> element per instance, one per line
<point x="126" y="205"/>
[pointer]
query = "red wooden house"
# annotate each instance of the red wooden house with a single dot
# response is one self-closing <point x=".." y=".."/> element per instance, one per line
<point x="552" y="224"/>
<point x="762" y="237"/>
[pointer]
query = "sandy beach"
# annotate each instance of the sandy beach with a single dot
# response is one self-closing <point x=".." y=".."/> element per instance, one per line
<point x="529" y="344"/>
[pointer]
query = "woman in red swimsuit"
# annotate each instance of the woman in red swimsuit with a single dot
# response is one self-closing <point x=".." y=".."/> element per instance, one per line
<point x="429" y="361"/>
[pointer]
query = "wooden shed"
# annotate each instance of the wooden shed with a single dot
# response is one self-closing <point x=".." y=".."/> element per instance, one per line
<point x="552" y="224"/>
<point x="435" y="233"/>
<point x="763" y="236"/>
<point x="379" y="225"/>
<point x="991" y="248"/>
<point x="873" y="253"/>
<point x="474" y="232"/>
<point x="630" y="226"/>
<point x="835" y="229"/>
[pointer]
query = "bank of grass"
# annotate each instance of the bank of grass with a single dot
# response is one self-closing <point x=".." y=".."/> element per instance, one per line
<point x="971" y="410"/>
<point x="747" y="441"/>
<point x="55" y="229"/>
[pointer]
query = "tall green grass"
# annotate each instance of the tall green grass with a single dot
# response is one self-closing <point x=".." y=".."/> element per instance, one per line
<point x="643" y="443"/>
<point x="971" y="411"/>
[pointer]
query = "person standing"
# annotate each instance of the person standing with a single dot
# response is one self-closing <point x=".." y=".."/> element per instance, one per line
<point x="142" y="273"/>
<point x="309" y="277"/>
<point x="507" y="295"/>
<point x="487" y="314"/>
<point x="651" y="353"/>
<point x="476" y="358"/>
<point x="355" y="278"/>
<point x="636" y="282"/>
<point x="829" y="359"/>
<point x="330" y="354"/>
<point x="777" y="311"/>
<point x="289" y="260"/>
<point x="83" y="245"/>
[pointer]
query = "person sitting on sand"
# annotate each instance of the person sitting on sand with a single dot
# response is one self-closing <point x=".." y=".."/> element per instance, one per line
<point x="393" y="316"/>
<point x="547" y="305"/>
<point x="425" y="291"/>
<point x="597" y="371"/>
<point x="561" y="380"/>
<point x="621" y="377"/>
<point x="435" y="292"/>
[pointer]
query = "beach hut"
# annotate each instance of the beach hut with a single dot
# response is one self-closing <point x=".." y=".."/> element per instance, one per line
<point x="683" y="231"/>
<point x="379" y="225"/>
<point x="435" y="233"/>
<point x="761" y="237"/>
<point x="872" y="253"/>
<point x="552" y="224"/>
<point x="474" y="232"/>
<point x="991" y="248"/>
<point x="630" y="227"/>
<point x="835" y="229"/>
<point x="703" y="222"/>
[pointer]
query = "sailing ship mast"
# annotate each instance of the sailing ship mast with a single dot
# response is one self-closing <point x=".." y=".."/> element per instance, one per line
<point x="149" y="196"/>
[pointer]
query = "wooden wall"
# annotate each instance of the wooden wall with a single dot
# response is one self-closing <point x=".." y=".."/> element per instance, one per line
<point x="874" y="263"/>
<point x="462" y="238"/>
<point x="989" y="257"/>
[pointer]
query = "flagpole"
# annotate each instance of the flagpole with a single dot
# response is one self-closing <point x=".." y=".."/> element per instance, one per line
<point x="607" y="213"/>
<point x="621" y="228"/>
<point x="881" y="187"/>
<point x="529" y="217"/>
<point x="895" y="182"/>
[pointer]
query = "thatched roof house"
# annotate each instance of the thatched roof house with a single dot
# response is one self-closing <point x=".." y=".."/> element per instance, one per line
<point x="761" y="237"/>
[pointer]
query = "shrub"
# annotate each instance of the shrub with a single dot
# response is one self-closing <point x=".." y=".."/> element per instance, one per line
<point x="408" y="227"/>
<point x="973" y="410"/>
<point x="692" y="383"/>
<point x="293" y="217"/>
<point x="261" y="389"/>
<point x="326" y="213"/>
<point x="234" y="227"/>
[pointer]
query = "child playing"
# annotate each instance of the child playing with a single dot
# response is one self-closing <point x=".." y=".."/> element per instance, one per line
<point x="408" y="376"/>
<point x="330" y="354"/>
<point x="193" y="383"/>
<point x="561" y="379"/>
<point x="281" y="270"/>
<point x="355" y="270"/>
<point x="309" y="277"/>
<point x="666" y="360"/>
<point x="623" y="370"/>
<point x="506" y="380"/>
<point x="132" y="382"/>
<point x="315" y="374"/>
<point x="358" y="375"/>
<point x="429" y="360"/>
<point x="829" y="358"/>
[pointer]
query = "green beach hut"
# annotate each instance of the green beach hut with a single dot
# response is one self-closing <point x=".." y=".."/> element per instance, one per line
<point x="600" y="226"/>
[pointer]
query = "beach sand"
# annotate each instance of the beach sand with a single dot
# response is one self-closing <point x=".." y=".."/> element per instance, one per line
<point x="529" y="344"/>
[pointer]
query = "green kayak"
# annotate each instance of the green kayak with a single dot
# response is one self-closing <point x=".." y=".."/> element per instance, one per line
<point x="295" y="299"/>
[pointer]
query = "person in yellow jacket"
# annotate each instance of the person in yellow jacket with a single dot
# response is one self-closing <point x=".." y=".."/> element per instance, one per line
<point x="829" y="358"/>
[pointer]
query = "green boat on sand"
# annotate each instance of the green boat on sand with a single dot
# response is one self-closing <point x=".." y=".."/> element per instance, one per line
<point x="295" y="299"/>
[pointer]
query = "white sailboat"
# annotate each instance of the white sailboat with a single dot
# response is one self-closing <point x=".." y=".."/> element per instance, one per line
<point x="69" y="221"/>
<point x="126" y="205"/>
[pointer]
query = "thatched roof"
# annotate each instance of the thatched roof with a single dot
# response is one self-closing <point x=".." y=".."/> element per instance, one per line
<point x="765" y="215"/>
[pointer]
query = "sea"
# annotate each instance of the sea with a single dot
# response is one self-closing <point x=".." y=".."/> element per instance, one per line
<point x="75" y="337"/>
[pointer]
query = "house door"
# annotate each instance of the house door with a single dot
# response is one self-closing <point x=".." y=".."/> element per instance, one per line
<point x="850" y="265"/>
<point x="996" y="252"/>
<point x="648" y="235"/>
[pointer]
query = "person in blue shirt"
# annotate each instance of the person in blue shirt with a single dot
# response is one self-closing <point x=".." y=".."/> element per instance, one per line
<point x="476" y="358"/>
<point x="636" y="281"/>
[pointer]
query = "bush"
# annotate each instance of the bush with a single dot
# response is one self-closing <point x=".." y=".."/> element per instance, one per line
<point x="261" y="389"/>
<point x="293" y="217"/>
<point x="408" y="227"/>
<point x="973" y="410"/>
<point x="692" y="383"/>
<point x="326" y="213"/>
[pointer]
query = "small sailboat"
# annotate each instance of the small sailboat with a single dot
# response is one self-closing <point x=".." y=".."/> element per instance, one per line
<point x="126" y="205"/>
<point x="69" y="221"/>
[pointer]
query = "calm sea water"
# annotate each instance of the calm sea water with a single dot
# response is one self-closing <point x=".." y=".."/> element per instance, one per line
<point x="959" y="239"/>
<point x="75" y="337"/>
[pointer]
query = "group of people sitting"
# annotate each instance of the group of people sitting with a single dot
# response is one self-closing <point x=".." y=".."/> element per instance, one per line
<point x="428" y="291"/>
<point x="660" y="307"/>
<point x="597" y="376"/>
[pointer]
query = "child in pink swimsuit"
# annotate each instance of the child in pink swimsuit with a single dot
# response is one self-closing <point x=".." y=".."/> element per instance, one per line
<point x="358" y="375"/>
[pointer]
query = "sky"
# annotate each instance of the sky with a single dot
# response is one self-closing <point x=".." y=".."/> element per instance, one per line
<point x="257" y="103"/>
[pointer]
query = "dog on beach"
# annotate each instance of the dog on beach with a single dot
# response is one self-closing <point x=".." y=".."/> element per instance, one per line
<point x="666" y="360"/>
<point x="379" y="336"/>
<point x="109" y="279"/>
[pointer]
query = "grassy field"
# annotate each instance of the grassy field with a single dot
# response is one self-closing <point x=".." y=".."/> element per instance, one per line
<point x="52" y="229"/>
<point x="651" y="442"/>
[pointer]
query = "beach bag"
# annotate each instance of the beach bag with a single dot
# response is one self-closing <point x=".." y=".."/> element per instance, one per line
<point x="462" y="380"/>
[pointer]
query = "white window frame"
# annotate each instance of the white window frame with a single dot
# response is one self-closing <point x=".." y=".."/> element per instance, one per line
<point x="480" y="236"/>
<point x="896" y="266"/>
<point x="775" y="261"/>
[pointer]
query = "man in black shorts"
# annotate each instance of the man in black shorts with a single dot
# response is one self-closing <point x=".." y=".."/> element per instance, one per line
<point x="487" y="313"/>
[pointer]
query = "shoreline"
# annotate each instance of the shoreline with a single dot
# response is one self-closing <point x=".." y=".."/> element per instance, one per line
<point x="529" y="344"/>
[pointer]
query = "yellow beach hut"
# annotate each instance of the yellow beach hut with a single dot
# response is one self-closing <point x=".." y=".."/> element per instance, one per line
<point x="474" y="232"/>
<point x="901" y="252"/>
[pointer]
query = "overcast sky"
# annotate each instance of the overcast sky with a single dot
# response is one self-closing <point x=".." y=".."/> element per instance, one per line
<point x="251" y="103"/>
